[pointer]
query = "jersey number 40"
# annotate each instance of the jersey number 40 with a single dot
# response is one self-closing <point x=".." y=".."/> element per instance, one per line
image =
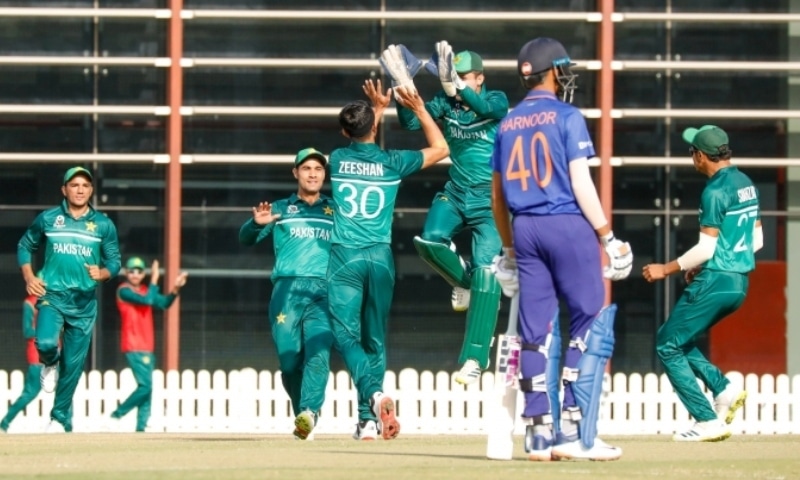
<point x="518" y="170"/>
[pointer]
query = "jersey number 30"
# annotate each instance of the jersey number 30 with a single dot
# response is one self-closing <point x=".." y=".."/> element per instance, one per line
<point x="518" y="170"/>
<point x="362" y="207"/>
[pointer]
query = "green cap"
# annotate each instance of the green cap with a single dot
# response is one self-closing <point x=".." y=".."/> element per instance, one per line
<point x="77" y="171"/>
<point x="707" y="139"/>
<point x="468" y="61"/>
<point x="135" y="262"/>
<point x="307" y="153"/>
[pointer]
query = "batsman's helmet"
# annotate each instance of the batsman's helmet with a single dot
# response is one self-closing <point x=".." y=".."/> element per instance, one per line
<point x="542" y="54"/>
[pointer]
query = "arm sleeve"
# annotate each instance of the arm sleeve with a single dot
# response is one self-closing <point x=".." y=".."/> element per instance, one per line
<point x="408" y="119"/>
<point x="494" y="105"/>
<point x="30" y="241"/>
<point x="152" y="298"/>
<point x="758" y="238"/>
<point x="405" y="162"/>
<point x="252" y="233"/>
<point x="712" y="209"/>
<point x="585" y="193"/>
<point x="577" y="139"/>
<point x="112" y="260"/>
<point x="700" y="253"/>
<point x="28" y="313"/>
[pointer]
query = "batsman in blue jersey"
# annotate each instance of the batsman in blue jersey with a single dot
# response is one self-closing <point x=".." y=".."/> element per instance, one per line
<point x="541" y="176"/>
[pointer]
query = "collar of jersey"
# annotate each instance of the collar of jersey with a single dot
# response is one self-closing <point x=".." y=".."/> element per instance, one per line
<point x="540" y="94"/>
<point x="364" y="145"/>
<point x="294" y="199"/>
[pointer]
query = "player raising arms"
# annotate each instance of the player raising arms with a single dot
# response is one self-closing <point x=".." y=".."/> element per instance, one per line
<point x="470" y="114"/>
<point x="541" y="175"/>
<point x="716" y="269"/>
<point x="361" y="272"/>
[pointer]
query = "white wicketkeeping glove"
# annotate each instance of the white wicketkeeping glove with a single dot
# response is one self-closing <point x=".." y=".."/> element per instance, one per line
<point x="505" y="270"/>
<point x="451" y="82"/>
<point x="394" y="63"/>
<point x="620" y="258"/>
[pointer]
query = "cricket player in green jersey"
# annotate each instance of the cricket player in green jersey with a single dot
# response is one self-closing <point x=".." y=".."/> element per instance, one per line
<point x="80" y="251"/>
<point x="470" y="114"/>
<point x="716" y="270"/>
<point x="361" y="272"/>
<point x="298" y="310"/>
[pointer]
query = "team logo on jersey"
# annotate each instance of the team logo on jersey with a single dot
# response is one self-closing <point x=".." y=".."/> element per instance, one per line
<point x="146" y="360"/>
<point x="292" y="209"/>
<point x="59" y="223"/>
<point x="91" y="226"/>
<point x="443" y="198"/>
<point x="281" y="318"/>
<point x="327" y="210"/>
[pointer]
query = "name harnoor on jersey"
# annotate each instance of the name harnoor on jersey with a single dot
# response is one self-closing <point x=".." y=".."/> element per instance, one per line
<point x="365" y="181"/>
<point x="535" y="143"/>
<point x="302" y="236"/>
<point x="730" y="204"/>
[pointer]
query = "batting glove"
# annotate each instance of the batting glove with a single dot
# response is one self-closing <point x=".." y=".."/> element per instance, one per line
<point x="505" y="270"/>
<point x="620" y="258"/>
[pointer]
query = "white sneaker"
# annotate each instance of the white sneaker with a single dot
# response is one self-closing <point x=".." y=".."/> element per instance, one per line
<point x="384" y="408"/>
<point x="54" y="427"/>
<point x="49" y="378"/>
<point x="460" y="299"/>
<point x="710" y="431"/>
<point x="366" y="430"/>
<point x="304" y="424"/>
<point x="470" y="372"/>
<point x="600" y="452"/>
<point x="728" y="402"/>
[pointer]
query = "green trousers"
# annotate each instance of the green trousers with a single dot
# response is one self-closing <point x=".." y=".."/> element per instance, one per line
<point x="360" y="290"/>
<point x="301" y="330"/>
<point x="453" y="210"/>
<point x="142" y="364"/>
<point x="77" y="336"/>
<point x="29" y="392"/>
<point x="712" y="296"/>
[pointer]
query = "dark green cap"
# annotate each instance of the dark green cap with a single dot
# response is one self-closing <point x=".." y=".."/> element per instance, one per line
<point x="307" y="153"/>
<point x="707" y="139"/>
<point x="135" y="262"/>
<point x="77" y="171"/>
<point x="468" y="61"/>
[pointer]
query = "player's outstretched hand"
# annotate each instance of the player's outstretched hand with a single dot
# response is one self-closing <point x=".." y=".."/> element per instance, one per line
<point x="374" y="91"/>
<point x="409" y="99"/>
<point x="620" y="258"/>
<point x="505" y="270"/>
<point x="654" y="271"/>
<point x="262" y="214"/>
<point x="155" y="272"/>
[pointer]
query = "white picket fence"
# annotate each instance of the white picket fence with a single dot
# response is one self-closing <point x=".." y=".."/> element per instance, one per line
<point x="247" y="401"/>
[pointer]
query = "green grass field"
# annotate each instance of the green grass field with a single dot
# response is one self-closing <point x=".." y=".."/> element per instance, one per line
<point x="177" y="456"/>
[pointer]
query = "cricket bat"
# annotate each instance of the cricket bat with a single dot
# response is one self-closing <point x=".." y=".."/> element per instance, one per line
<point x="502" y="407"/>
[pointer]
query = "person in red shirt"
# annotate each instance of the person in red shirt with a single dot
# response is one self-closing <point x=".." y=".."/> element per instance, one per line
<point x="135" y="301"/>
<point x="32" y="383"/>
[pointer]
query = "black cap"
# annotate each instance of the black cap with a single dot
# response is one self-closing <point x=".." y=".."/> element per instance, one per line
<point x="541" y="54"/>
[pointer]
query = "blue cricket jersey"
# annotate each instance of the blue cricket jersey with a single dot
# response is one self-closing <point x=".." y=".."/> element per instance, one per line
<point x="534" y="145"/>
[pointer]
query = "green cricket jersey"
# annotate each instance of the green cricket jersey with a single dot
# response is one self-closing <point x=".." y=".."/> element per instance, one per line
<point x="365" y="182"/>
<point x="69" y="245"/>
<point x="469" y="133"/>
<point x="730" y="203"/>
<point x="302" y="236"/>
